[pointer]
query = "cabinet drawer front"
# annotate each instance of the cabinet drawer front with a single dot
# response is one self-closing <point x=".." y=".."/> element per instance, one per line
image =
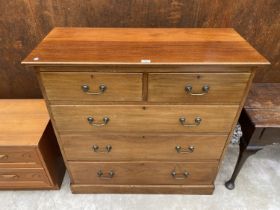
<point x="143" y="147"/>
<point x="143" y="172"/>
<point x="91" y="86"/>
<point x="11" y="155"/>
<point x="214" y="88"/>
<point x="152" y="118"/>
<point x="14" y="175"/>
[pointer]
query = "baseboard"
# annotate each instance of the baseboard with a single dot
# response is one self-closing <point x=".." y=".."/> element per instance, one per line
<point x="144" y="189"/>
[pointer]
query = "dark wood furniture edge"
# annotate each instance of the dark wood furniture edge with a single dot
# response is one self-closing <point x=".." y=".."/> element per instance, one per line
<point x="50" y="153"/>
<point x="245" y="150"/>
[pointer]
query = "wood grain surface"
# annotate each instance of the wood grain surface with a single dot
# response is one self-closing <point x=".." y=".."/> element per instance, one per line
<point x="150" y="118"/>
<point x="67" y="86"/>
<point x="143" y="189"/>
<point x="133" y="147"/>
<point x="51" y="158"/>
<point x="22" y="122"/>
<point x="152" y="46"/>
<point x="24" y="179"/>
<point x="223" y="88"/>
<point x="19" y="156"/>
<point x="263" y="105"/>
<point x="141" y="173"/>
<point x="263" y="96"/>
<point x="14" y="175"/>
<point x="24" y="23"/>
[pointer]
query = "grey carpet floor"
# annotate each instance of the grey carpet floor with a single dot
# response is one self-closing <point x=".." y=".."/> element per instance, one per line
<point x="257" y="188"/>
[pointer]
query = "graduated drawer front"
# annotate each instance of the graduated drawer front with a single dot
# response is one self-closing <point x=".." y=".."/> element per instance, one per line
<point x="224" y="88"/>
<point x="143" y="172"/>
<point x="150" y="118"/>
<point x="19" y="155"/>
<point x="15" y="175"/>
<point x="143" y="147"/>
<point x="68" y="86"/>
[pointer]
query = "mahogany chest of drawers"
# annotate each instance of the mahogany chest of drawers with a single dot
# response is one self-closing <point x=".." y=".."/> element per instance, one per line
<point x="144" y="110"/>
<point x="29" y="154"/>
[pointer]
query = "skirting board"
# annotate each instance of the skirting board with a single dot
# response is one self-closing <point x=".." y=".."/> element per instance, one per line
<point x="144" y="189"/>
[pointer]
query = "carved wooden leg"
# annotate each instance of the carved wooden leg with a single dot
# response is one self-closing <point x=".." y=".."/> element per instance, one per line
<point x="244" y="153"/>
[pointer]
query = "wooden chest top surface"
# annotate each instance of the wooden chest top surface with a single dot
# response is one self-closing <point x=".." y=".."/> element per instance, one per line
<point x="22" y="121"/>
<point x="142" y="46"/>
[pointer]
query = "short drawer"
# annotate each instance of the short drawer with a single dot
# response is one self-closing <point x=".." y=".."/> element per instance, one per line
<point x="143" y="172"/>
<point x="150" y="118"/>
<point x="205" y="88"/>
<point x="132" y="147"/>
<point x="92" y="86"/>
<point x="14" y="175"/>
<point x="19" y="155"/>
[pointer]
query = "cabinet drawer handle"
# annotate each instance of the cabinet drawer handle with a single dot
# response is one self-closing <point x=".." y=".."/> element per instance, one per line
<point x="205" y="89"/>
<point x="180" y="176"/>
<point x="3" y="157"/>
<point x="86" y="89"/>
<point x="91" y="121"/>
<point x="106" y="149"/>
<point x="179" y="149"/>
<point x="9" y="176"/>
<point x="197" y="122"/>
<point x="101" y="175"/>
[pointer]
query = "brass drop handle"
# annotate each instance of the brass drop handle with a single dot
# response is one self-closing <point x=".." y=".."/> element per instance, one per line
<point x="179" y="149"/>
<point x="197" y="122"/>
<point x="101" y="175"/>
<point x="205" y="89"/>
<point x="91" y="121"/>
<point x="184" y="175"/>
<point x="3" y="157"/>
<point x="106" y="149"/>
<point x="86" y="89"/>
<point x="9" y="176"/>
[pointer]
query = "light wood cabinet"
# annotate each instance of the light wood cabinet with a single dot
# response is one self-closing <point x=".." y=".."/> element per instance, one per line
<point x="29" y="153"/>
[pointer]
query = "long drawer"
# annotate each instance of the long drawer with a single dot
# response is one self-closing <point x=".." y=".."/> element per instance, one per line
<point x="14" y="175"/>
<point x="19" y="155"/>
<point x="92" y="86"/>
<point x="143" y="147"/>
<point x="150" y="118"/>
<point x="197" y="88"/>
<point x="143" y="172"/>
